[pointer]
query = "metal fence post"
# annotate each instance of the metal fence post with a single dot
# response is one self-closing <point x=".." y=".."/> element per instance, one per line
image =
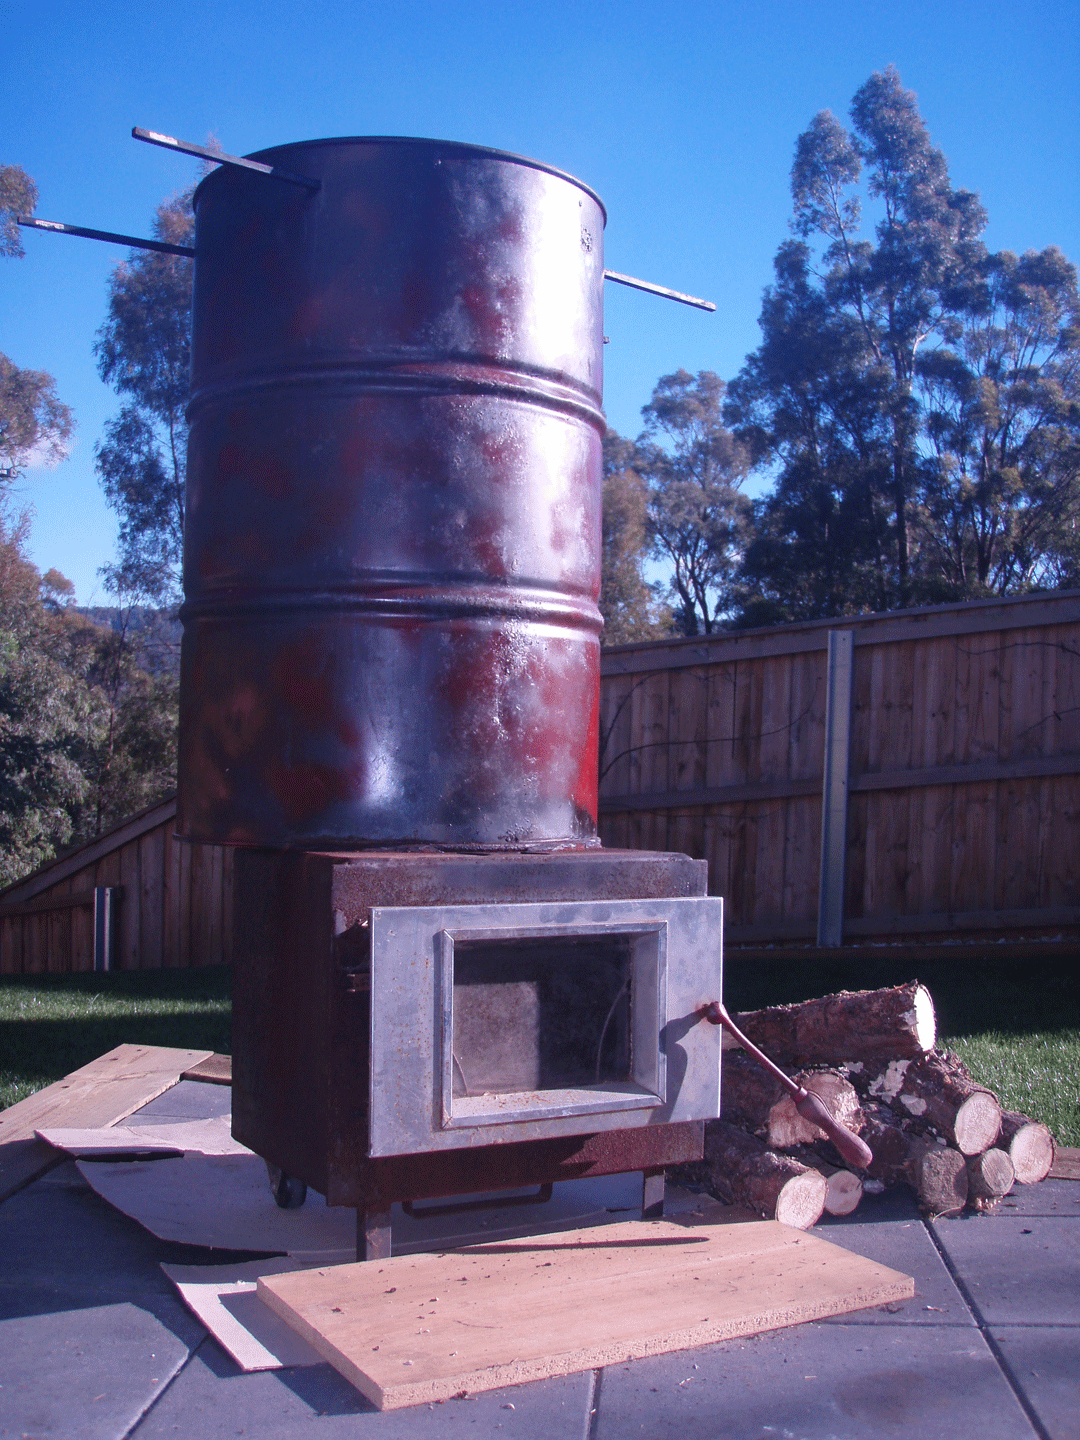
<point x="834" y="789"/>
<point x="105" y="897"/>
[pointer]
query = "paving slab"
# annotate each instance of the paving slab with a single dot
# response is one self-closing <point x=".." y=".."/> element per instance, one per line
<point x="888" y="1228"/>
<point x="90" y="1372"/>
<point x="1044" y="1360"/>
<point x="186" y="1100"/>
<point x="1018" y="1270"/>
<point x="817" y="1382"/>
<point x="211" y="1397"/>
<point x="1049" y="1197"/>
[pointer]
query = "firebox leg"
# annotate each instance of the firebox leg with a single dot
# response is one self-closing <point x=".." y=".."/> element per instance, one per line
<point x="652" y="1195"/>
<point x="373" y="1234"/>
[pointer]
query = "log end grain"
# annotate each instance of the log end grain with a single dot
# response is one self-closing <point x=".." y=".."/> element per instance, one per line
<point x="801" y="1200"/>
<point x="1030" y="1146"/>
<point x="977" y="1123"/>
<point x="843" y="1193"/>
<point x="990" y="1176"/>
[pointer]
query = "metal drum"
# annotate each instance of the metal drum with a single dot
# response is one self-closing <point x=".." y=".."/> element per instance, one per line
<point x="392" y="558"/>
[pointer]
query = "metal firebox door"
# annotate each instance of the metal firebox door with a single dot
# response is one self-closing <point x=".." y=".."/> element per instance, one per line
<point x="507" y="1022"/>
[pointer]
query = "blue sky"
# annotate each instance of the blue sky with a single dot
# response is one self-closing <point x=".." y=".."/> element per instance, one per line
<point x="683" y="118"/>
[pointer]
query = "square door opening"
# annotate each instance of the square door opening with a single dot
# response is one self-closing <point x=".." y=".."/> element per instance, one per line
<point x="561" y="1022"/>
<point x="541" y="1014"/>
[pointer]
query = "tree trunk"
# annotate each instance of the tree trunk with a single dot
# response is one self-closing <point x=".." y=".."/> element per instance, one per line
<point x="861" y="1026"/>
<point x="937" y="1093"/>
<point x="743" y="1171"/>
<point x="1029" y="1144"/>
<point x="752" y="1098"/>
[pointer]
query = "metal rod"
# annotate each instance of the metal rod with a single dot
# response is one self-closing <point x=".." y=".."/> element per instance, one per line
<point x="168" y="142"/>
<point x="61" y="229"/>
<point x="658" y="290"/>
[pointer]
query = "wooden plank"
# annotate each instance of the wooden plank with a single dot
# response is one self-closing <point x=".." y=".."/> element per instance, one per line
<point x="214" y="1070"/>
<point x="101" y="1093"/>
<point x="169" y="894"/>
<point x="1066" y="1164"/>
<point x="127" y="928"/>
<point x="151" y="898"/>
<point x="419" y="1329"/>
<point x="228" y="855"/>
<point x="183" y="905"/>
<point x="72" y="900"/>
<point x="215" y="948"/>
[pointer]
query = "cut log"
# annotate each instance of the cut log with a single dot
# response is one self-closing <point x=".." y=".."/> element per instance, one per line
<point x="937" y="1173"/>
<point x="1029" y="1144"/>
<point x="753" y="1099"/>
<point x="937" y="1093"/>
<point x="867" y="1026"/>
<point x="844" y="1188"/>
<point x="990" y="1176"/>
<point x="744" y="1171"/>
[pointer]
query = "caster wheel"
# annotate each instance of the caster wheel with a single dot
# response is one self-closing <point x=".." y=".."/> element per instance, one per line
<point x="288" y="1192"/>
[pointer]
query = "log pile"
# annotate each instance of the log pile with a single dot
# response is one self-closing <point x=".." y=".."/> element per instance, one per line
<point x="871" y="1056"/>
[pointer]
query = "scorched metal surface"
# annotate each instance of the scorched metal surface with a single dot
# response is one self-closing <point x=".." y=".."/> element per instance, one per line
<point x="392" y="551"/>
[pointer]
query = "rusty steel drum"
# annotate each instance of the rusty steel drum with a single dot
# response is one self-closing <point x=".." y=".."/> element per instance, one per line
<point x="392" y="556"/>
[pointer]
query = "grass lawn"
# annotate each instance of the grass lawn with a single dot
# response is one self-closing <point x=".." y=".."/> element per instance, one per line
<point x="52" y="1024"/>
<point x="1015" y="1023"/>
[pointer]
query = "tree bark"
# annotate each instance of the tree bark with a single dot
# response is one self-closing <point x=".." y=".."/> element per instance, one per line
<point x="864" y="1026"/>
<point x="936" y="1093"/>
<point x="743" y="1171"/>
<point x="1029" y="1144"/>
<point x="754" y="1099"/>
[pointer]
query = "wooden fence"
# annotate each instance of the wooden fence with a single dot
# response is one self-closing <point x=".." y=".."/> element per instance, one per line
<point x="953" y="785"/>
<point x="954" y="797"/>
<point x="137" y="898"/>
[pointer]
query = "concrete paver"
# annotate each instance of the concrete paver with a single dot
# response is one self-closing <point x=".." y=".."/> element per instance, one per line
<point x="94" y="1341"/>
<point x="1044" y="1360"/>
<point x="817" y="1382"/>
<point x="889" y="1229"/>
<point x="211" y="1397"/>
<point x="88" y="1371"/>
<point x="1017" y="1269"/>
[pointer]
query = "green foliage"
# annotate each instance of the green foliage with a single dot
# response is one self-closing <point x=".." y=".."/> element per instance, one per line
<point x="46" y="718"/>
<point x="143" y="352"/>
<point x="87" y="734"/>
<point x="628" y="602"/>
<point x="678" y="491"/>
<point x="51" y="1025"/>
<point x="18" y="196"/>
<point x="915" y="398"/>
<point x="35" y="425"/>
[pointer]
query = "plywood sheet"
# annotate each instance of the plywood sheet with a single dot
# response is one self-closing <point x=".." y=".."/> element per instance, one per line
<point x="223" y="1297"/>
<point x="423" y="1328"/>
<point x="99" y="1094"/>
